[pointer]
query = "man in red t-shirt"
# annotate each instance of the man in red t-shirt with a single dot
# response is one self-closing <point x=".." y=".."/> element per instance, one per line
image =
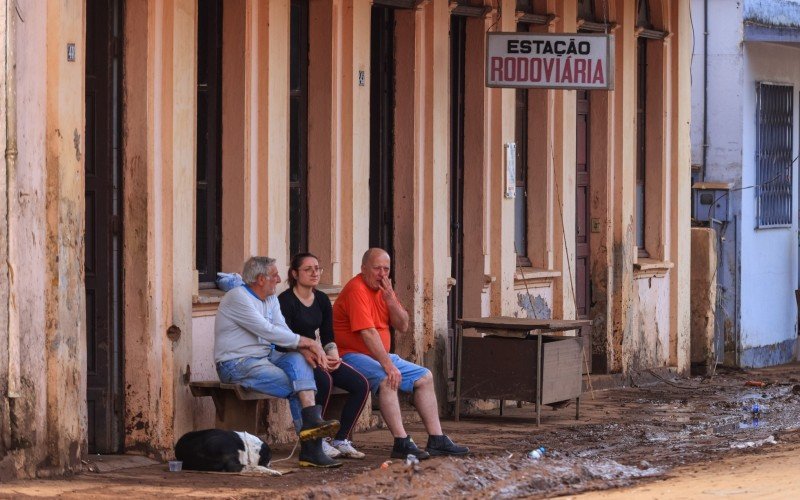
<point x="362" y="314"/>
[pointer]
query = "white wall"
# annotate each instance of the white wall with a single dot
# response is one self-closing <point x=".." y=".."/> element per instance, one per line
<point x="768" y="256"/>
<point x="725" y="77"/>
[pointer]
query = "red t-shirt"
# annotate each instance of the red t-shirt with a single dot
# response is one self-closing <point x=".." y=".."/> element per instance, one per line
<point x="357" y="308"/>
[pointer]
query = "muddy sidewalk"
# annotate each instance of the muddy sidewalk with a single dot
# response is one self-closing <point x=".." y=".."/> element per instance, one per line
<point x="624" y="436"/>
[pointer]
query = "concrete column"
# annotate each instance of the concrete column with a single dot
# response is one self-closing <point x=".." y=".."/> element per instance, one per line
<point x="680" y="249"/>
<point x="269" y="149"/>
<point x="501" y="109"/>
<point x="183" y="143"/>
<point x="408" y="176"/>
<point x="624" y="242"/>
<point x="563" y="136"/>
<point x="236" y="115"/>
<point x="354" y="135"/>
<point x="158" y="175"/>
<point x="477" y="183"/>
<point x="66" y="308"/>
<point x="324" y="159"/>
<point x="703" y="297"/>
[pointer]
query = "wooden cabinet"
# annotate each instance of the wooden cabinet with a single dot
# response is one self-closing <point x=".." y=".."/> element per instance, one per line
<point x="498" y="362"/>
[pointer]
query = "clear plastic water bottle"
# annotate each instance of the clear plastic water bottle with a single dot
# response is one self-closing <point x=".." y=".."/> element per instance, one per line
<point x="411" y="460"/>
<point x="537" y="453"/>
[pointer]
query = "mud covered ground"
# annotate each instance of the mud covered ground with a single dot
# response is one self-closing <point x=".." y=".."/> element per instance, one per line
<point x="625" y="437"/>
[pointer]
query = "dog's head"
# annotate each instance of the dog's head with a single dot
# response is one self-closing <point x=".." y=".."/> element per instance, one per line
<point x="264" y="455"/>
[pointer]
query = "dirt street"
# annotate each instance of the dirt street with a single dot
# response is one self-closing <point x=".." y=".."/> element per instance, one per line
<point x="665" y="437"/>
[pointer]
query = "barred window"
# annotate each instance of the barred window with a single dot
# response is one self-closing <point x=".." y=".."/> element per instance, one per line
<point x="774" y="155"/>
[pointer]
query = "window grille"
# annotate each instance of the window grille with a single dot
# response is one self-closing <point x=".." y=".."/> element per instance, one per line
<point x="774" y="155"/>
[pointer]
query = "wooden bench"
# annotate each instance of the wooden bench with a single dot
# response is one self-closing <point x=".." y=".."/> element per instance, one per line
<point x="237" y="408"/>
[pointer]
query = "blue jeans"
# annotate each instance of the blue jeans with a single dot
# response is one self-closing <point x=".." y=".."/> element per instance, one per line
<point x="279" y="374"/>
<point x="373" y="371"/>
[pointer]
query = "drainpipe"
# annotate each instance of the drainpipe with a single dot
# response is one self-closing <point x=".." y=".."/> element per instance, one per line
<point x="705" y="90"/>
<point x="11" y="159"/>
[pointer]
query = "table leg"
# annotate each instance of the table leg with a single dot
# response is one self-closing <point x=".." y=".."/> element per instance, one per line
<point x="538" y="379"/>
<point x="459" y="334"/>
<point x="577" y="408"/>
<point x="502" y="404"/>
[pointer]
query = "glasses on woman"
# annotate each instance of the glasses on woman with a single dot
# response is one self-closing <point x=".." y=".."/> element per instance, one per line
<point x="312" y="270"/>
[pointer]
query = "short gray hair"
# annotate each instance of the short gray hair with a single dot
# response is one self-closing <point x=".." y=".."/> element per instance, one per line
<point x="254" y="267"/>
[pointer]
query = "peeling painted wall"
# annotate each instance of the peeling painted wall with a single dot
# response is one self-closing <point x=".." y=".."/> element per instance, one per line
<point x="647" y="344"/>
<point x="44" y="420"/>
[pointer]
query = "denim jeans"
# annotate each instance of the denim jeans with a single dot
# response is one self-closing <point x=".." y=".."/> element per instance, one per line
<point x="373" y="371"/>
<point x="279" y="374"/>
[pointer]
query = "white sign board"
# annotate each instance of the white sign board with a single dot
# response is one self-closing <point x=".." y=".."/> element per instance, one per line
<point x="550" y="60"/>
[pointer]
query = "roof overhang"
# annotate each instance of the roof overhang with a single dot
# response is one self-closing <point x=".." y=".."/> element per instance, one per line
<point x="774" y="21"/>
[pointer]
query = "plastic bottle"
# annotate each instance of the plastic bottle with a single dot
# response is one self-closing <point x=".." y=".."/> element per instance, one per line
<point x="411" y="460"/>
<point x="756" y="414"/>
<point x="537" y="453"/>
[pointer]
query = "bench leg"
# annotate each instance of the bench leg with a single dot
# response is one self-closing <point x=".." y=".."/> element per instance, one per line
<point x="234" y="414"/>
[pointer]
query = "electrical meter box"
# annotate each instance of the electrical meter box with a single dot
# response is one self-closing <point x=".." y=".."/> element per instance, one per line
<point x="711" y="201"/>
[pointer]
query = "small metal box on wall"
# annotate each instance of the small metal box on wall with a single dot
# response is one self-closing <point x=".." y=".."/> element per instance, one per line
<point x="711" y="201"/>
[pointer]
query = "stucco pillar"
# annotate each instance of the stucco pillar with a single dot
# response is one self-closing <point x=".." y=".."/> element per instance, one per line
<point x="501" y="110"/>
<point x="601" y="207"/>
<point x="65" y="347"/>
<point x="477" y="172"/>
<point x="680" y="247"/>
<point x="421" y="203"/>
<point x="410" y="79"/>
<point x="236" y="116"/>
<point x="564" y="300"/>
<point x="255" y="131"/>
<point x="624" y="165"/>
<point x="269" y="151"/>
<point x="324" y="159"/>
<point x="158" y="175"/>
<point x="6" y="172"/>
<point x="354" y="135"/>
<point x="182" y="203"/>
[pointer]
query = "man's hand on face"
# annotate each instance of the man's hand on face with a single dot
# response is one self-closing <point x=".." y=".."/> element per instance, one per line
<point x="393" y="376"/>
<point x="386" y="287"/>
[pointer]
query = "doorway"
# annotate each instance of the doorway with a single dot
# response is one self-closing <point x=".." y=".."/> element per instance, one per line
<point x="382" y="97"/>
<point x="103" y="226"/>
<point x="455" y="300"/>
<point x="582" y="219"/>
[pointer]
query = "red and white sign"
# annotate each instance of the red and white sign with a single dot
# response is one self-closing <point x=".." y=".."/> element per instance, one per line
<point x="550" y="60"/>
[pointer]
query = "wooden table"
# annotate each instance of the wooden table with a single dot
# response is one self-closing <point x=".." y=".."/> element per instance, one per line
<point x="498" y="361"/>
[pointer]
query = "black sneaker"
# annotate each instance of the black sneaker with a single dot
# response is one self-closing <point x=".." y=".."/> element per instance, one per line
<point x="403" y="447"/>
<point x="442" y="445"/>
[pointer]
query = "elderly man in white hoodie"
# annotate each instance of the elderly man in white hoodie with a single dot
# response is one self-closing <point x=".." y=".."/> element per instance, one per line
<point x="248" y="326"/>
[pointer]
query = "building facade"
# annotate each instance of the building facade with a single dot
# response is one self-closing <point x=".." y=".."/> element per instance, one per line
<point x="151" y="144"/>
<point x="744" y="137"/>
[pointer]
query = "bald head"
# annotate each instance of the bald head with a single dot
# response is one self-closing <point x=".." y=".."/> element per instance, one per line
<point x="370" y="255"/>
<point x="375" y="267"/>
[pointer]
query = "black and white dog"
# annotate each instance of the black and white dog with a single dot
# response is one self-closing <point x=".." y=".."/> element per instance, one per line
<point x="222" y="451"/>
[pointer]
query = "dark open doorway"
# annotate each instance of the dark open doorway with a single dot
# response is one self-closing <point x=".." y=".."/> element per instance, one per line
<point x="103" y="226"/>
<point x="382" y="97"/>
<point x="455" y="304"/>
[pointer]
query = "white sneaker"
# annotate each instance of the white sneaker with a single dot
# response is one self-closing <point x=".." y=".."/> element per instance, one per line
<point x="347" y="449"/>
<point x="329" y="450"/>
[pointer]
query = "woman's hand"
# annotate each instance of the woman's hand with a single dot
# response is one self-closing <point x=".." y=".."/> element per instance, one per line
<point x="334" y="361"/>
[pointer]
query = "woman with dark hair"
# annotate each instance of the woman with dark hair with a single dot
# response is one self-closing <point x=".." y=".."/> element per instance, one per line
<point x="308" y="312"/>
